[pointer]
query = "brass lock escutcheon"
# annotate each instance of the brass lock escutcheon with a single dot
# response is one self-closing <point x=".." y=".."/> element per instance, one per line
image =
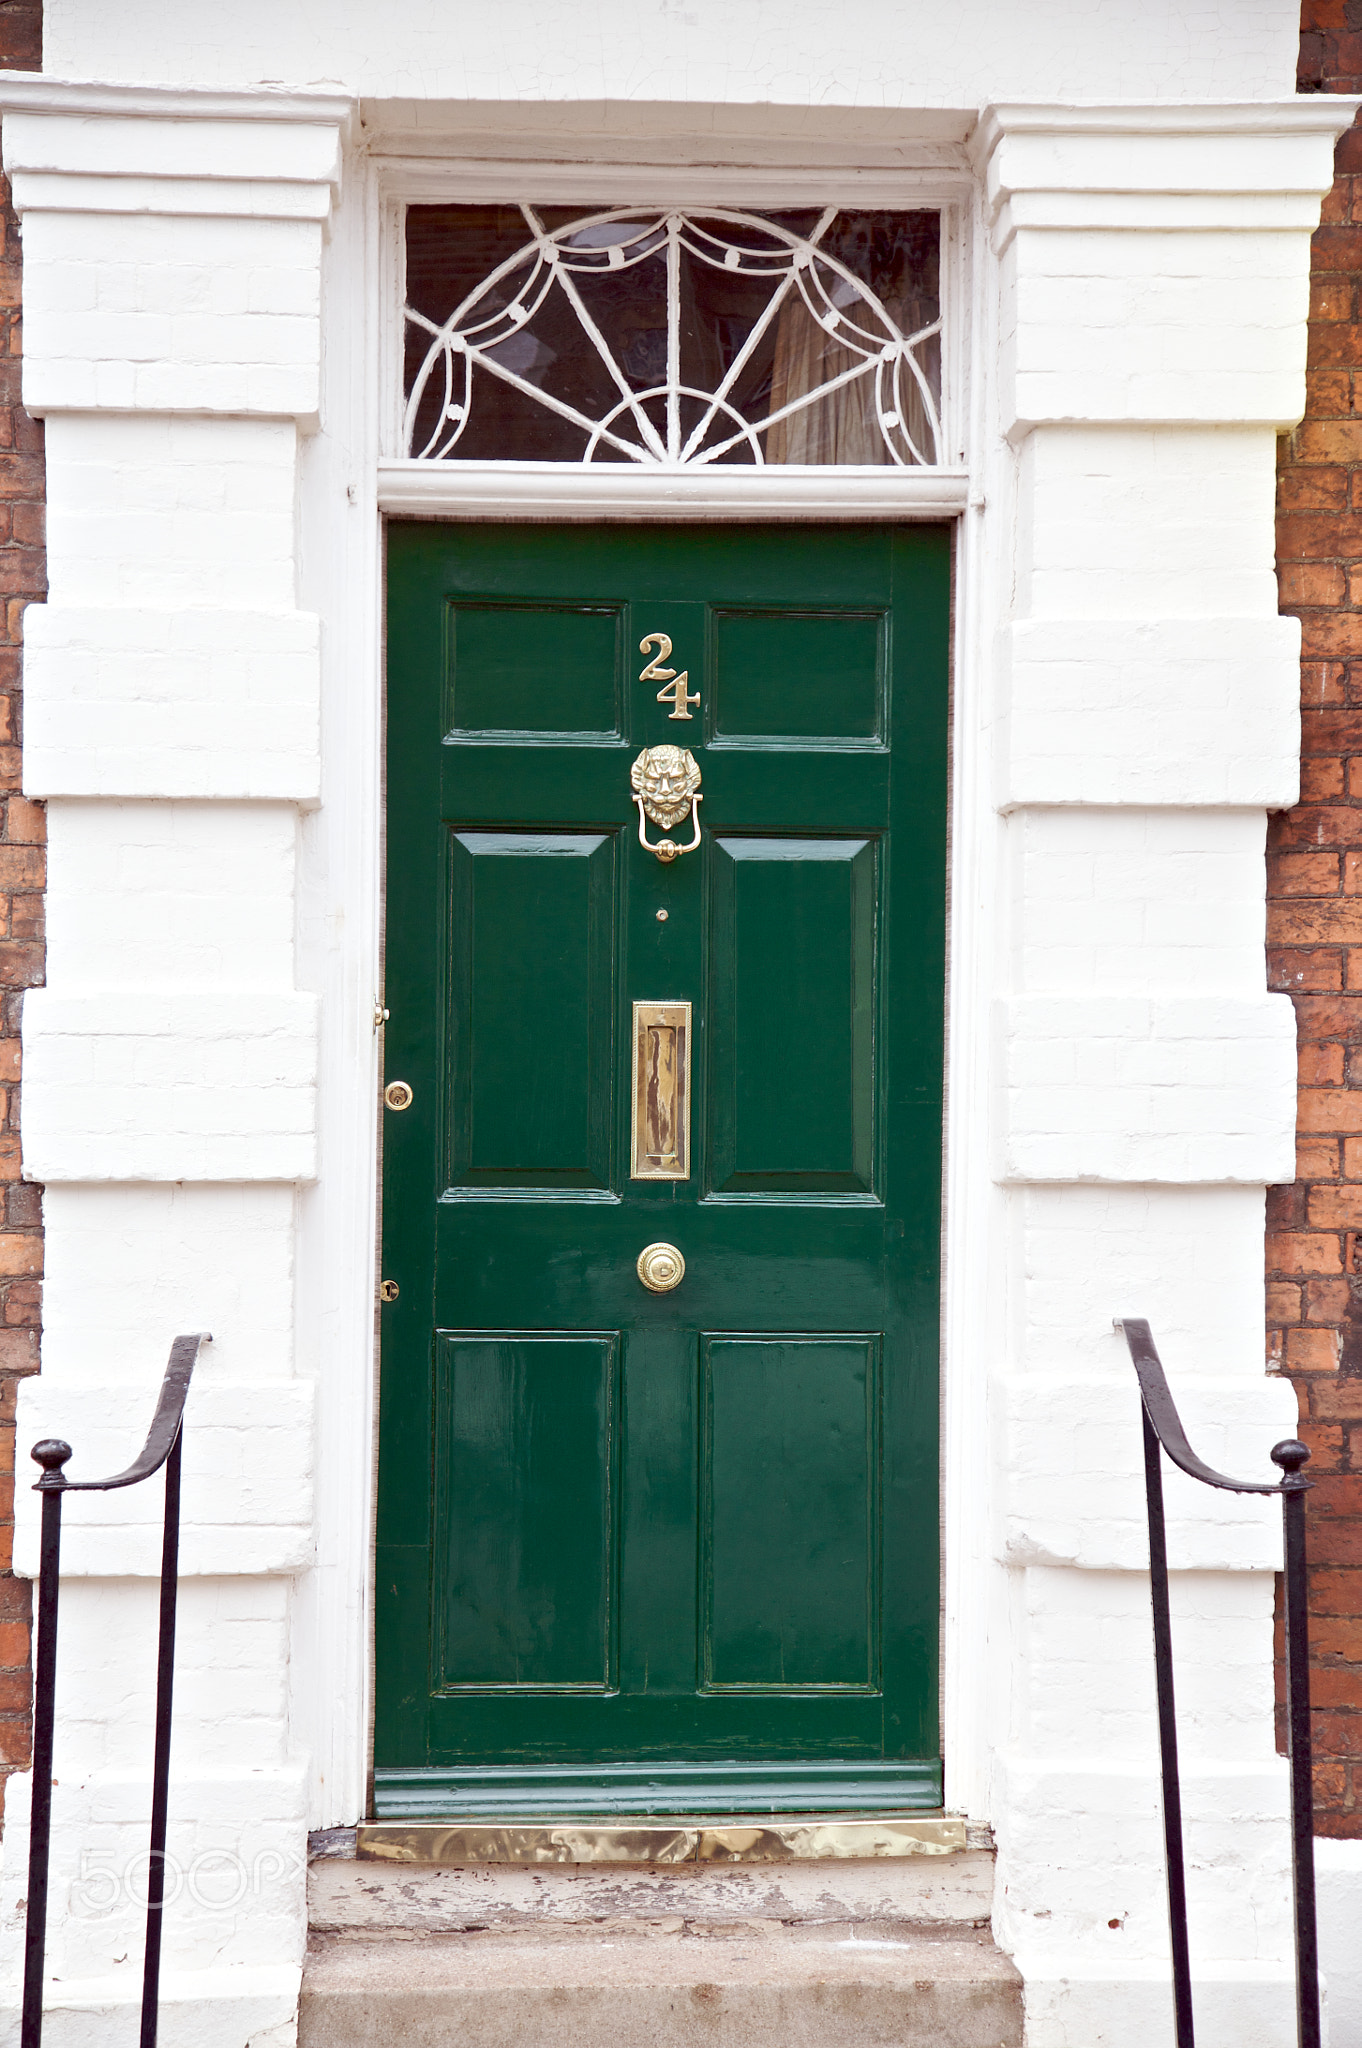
<point x="398" y="1095"/>
<point x="660" y="1268"/>
<point x="666" y="784"/>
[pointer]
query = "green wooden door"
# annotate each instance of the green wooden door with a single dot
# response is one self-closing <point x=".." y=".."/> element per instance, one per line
<point x="662" y="1551"/>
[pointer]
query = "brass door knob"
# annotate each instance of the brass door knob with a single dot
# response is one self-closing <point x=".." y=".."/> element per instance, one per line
<point x="660" y="1268"/>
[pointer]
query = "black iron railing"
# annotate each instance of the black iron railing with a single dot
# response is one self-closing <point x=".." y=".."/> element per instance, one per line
<point x="162" y="1447"/>
<point x="1163" y="1430"/>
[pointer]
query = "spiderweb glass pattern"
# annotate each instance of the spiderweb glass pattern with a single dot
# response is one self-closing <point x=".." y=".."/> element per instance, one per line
<point x="675" y="339"/>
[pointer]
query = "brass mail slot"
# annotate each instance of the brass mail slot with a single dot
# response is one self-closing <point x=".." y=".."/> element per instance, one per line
<point x="661" y="1123"/>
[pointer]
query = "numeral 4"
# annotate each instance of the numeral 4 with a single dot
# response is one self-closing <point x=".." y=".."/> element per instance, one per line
<point x="676" y="693"/>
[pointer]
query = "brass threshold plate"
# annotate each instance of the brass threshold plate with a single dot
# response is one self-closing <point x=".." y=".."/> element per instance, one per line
<point x="657" y="1841"/>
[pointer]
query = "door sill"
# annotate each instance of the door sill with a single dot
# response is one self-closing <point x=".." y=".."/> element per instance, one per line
<point x="493" y="1793"/>
<point x="789" y="1839"/>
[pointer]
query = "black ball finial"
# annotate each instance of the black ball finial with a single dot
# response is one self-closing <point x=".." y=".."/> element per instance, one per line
<point x="1290" y="1455"/>
<point x="51" y="1454"/>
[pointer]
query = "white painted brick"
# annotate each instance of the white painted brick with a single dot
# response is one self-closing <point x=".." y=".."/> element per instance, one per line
<point x="248" y="1462"/>
<point x="174" y="315"/>
<point x="1156" y="326"/>
<point x="1120" y="1088"/>
<point x="1176" y="158"/>
<point x="170" y="513"/>
<point x="237" y="1845"/>
<point x="170" y="896"/>
<point x="128" y="1267"/>
<point x="139" y="702"/>
<point x="1086" y="1838"/>
<point x="1072" y="1473"/>
<point x="1338" y="1875"/>
<point x="1075" y="1999"/>
<point x="1188" y="1259"/>
<point x="123" y="144"/>
<point x="170" y="1087"/>
<point x="1087" y="1641"/>
<point x="233" y="1629"/>
<point x="1149" y="711"/>
<point x="1161" y="523"/>
<point x="1137" y="901"/>
<point x="859" y="55"/>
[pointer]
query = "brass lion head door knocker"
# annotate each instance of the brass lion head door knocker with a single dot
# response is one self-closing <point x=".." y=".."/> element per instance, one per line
<point x="666" y="784"/>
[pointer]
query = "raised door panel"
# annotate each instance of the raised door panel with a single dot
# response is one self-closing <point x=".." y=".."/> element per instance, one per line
<point x="525" y="672"/>
<point x="812" y="678"/>
<point x="789" y="1513"/>
<point x="526" y="1497"/>
<point x="792" y="1016"/>
<point x="531" y="1010"/>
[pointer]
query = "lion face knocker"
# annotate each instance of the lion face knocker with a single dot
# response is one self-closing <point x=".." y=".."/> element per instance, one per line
<point x="666" y="784"/>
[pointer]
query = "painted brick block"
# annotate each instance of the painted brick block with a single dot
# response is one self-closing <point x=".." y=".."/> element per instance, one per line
<point x="248" y="1463"/>
<point x="1172" y="1088"/>
<point x="138" y="702"/>
<point x="1073" y="1487"/>
<point x="171" y="513"/>
<point x="1149" y="711"/>
<point x="170" y="1087"/>
<point x="1136" y="900"/>
<point x="1168" y="523"/>
<point x="175" y="315"/>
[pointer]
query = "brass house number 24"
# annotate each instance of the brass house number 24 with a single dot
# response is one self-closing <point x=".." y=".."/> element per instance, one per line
<point x="666" y="780"/>
<point x="673" y="689"/>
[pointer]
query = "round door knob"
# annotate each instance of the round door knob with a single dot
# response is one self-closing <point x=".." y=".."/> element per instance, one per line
<point x="660" y="1268"/>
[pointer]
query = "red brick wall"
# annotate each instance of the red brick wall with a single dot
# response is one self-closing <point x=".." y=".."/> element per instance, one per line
<point x="1314" y="1246"/>
<point x="22" y="577"/>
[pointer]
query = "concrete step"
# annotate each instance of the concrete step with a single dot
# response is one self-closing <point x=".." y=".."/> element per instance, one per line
<point x="666" y="1984"/>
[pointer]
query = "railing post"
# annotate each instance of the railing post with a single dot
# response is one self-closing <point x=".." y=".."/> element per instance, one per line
<point x="1164" y="1433"/>
<point x="162" y="1447"/>
<point x="160" y="1779"/>
<point x="51" y="1454"/>
<point x="1168" y="1740"/>
<point x="1290" y="1456"/>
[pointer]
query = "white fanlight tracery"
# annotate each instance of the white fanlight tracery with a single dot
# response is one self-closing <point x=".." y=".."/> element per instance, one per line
<point x="837" y="340"/>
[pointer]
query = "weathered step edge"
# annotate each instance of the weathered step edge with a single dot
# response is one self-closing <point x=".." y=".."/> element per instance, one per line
<point x="676" y="1993"/>
<point x="664" y="1841"/>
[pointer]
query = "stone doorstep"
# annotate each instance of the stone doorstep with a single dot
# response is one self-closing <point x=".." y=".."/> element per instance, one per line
<point x="871" y="1952"/>
<point x="672" y="1988"/>
<point x="359" y="1899"/>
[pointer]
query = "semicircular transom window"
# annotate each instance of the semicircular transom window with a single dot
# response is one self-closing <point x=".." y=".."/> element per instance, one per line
<point x="673" y="339"/>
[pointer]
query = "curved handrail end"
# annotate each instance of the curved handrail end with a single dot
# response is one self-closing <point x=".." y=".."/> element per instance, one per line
<point x="1166" y="1423"/>
<point x="165" y="1427"/>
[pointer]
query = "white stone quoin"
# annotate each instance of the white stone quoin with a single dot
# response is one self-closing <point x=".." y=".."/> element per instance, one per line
<point x="210" y="305"/>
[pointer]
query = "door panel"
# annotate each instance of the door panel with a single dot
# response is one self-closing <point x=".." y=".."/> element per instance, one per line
<point x="525" y="1502"/>
<point x="684" y="1538"/>
<point x="531" y="1009"/>
<point x="789" y="1513"/>
<point x="816" y="677"/>
<point x="519" y="671"/>
<point x="792" y="1001"/>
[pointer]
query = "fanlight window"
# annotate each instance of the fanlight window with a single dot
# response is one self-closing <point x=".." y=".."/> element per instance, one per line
<point x="543" y="334"/>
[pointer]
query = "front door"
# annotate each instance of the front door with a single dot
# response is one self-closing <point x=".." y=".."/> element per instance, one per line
<point x="662" y="1161"/>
